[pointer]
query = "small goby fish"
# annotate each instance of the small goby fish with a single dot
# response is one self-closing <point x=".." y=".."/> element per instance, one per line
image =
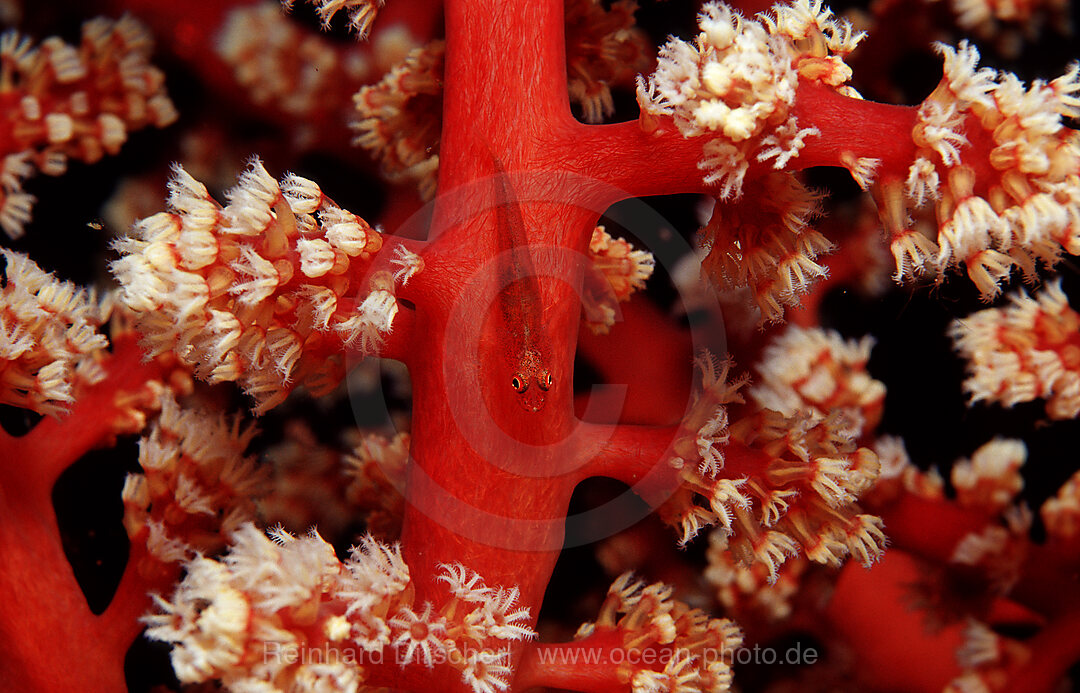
<point x="525" y="344"/>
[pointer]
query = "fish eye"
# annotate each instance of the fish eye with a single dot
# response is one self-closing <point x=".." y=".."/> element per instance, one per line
<point x="519" y="384"/>
<point x="544" y="381"/>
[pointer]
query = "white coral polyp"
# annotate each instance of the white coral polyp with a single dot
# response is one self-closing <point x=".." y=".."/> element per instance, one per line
<point x="252" y="292"/>
<point x="731" y="79"/>
<point x="735" y="84"/>
<point x="268" y="594"/>
<point x="1026" y="213"/>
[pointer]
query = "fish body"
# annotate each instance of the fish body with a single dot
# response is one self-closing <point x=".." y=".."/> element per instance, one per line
<point x="525" y="343"/>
